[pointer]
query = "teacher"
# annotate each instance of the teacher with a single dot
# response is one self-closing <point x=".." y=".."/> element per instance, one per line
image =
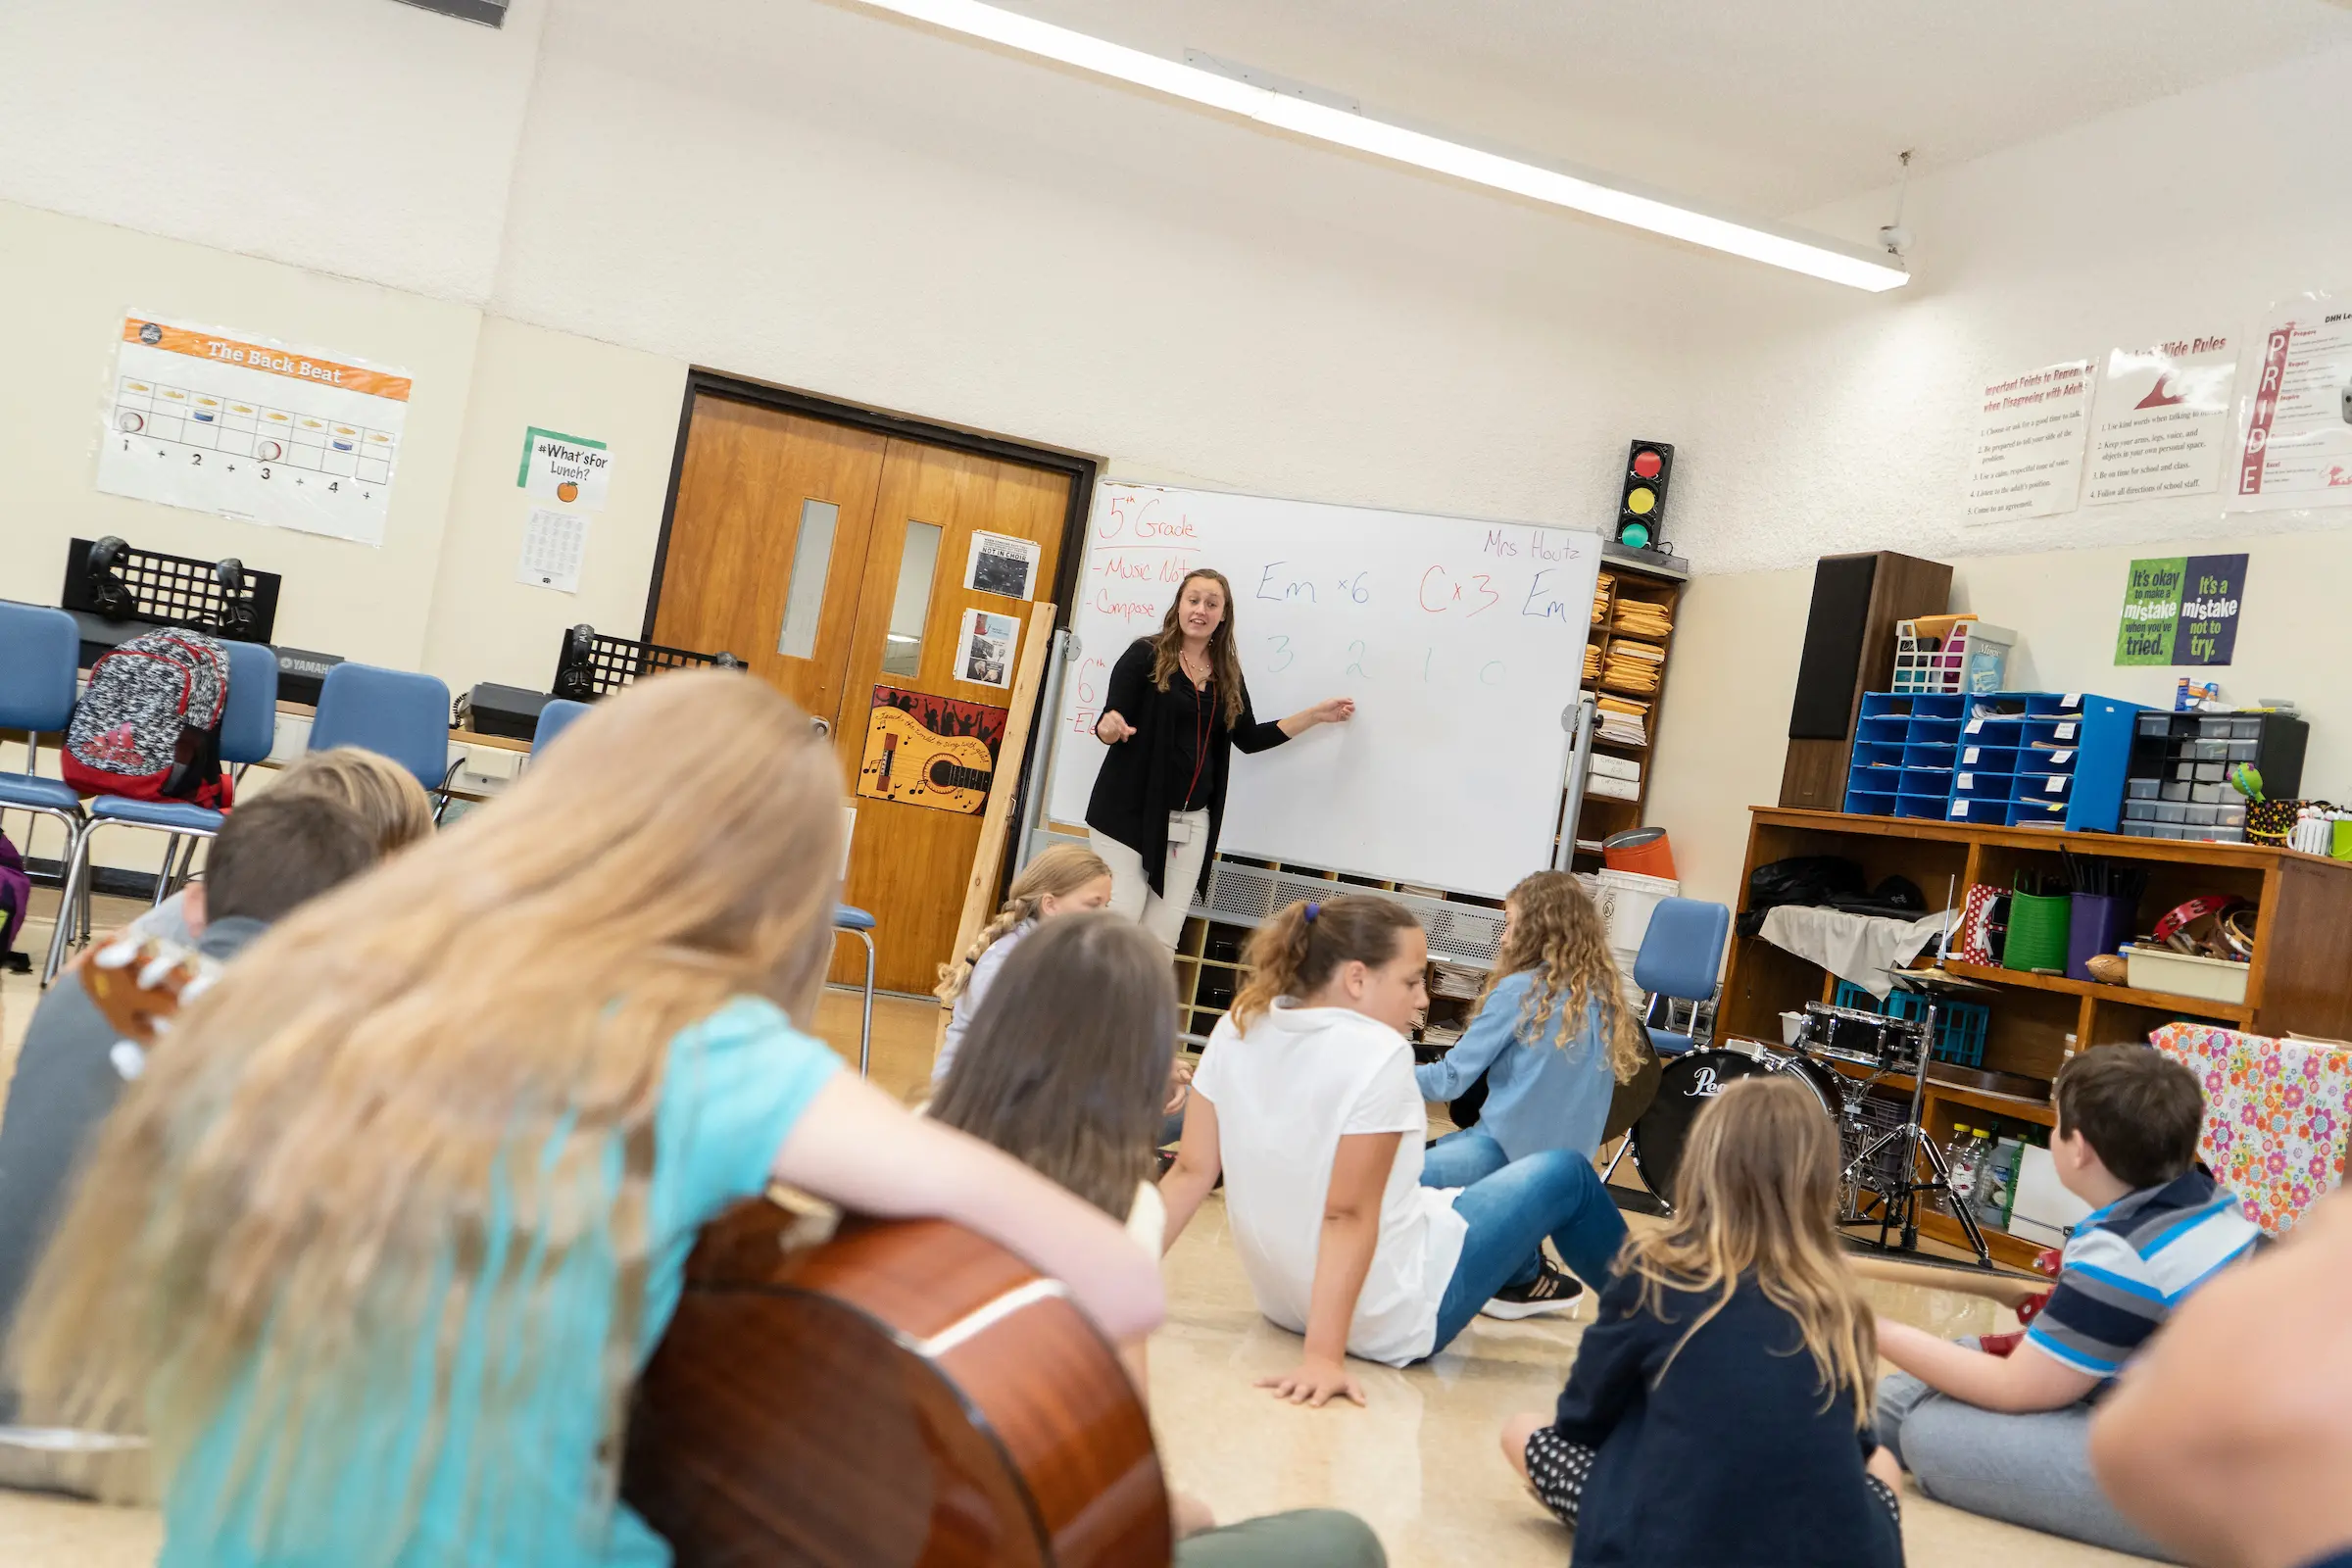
<point x="1176" y="699"/>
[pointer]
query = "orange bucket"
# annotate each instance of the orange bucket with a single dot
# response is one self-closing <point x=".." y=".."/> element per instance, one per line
<point x="1645" y="852"/>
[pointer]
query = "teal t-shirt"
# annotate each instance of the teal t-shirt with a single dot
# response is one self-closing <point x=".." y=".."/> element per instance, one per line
<point x="520" y="1492"/>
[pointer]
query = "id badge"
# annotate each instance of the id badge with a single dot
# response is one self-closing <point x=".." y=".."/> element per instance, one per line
<point x="1180" y="828"/>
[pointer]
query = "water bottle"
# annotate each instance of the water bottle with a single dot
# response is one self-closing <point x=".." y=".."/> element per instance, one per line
<point x="1961" y="1159"/>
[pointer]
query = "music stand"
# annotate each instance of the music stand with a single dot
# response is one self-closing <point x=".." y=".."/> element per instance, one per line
<point x="1930" y="985"/>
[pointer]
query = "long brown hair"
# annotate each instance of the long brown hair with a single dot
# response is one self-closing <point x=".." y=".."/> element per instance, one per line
<point x="1058" y="873"/>
<point x="1757" y="1194"/>
<point x="1066" y="1066"/>
<point x="1558" y="937"/>
<point x="1307" y="943"/>
<point x="1224" y="664"/>
<point x="456" y="1057"/>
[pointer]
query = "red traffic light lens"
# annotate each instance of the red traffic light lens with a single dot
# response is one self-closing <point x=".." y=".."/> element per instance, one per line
<point x="1646" y="465"/>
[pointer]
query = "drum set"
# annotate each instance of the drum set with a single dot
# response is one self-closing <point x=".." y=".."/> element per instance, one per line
<point x="1885" y="1148"/>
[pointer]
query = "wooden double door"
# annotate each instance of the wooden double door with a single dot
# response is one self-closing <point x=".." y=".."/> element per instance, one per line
<point x="838" y="563"/>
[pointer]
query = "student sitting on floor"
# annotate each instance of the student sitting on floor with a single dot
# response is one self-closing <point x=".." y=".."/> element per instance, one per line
<point x="1552" y="1039"/>
<point x="1305" y="1102"/>
<point x="1719" y="1409"/>
<point x="1074" y="1093"/>
<point x="2008" y="1437"/>
<point x="386" y="797"/>
<point x="1066" y="879"/>
<point x="383" y="1235"/>
<point x="275" y="853"/>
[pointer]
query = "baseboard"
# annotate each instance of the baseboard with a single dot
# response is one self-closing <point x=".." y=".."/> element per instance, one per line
<point x="112" y="882"/>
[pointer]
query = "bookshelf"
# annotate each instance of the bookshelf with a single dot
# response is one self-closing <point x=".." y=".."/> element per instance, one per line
<point x="1650" y="594"/>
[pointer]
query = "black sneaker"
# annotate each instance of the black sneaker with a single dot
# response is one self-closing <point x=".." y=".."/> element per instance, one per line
<point x="1552" y="1289"/>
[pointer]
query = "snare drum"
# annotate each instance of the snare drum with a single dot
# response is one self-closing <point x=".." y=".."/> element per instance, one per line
<point x="1864" y="1039"/>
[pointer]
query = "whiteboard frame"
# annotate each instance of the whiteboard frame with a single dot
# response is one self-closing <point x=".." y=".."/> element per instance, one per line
<point x="1038" y="820"/>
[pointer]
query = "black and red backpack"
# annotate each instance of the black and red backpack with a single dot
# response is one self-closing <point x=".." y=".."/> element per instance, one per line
<point x="148" y="726"/>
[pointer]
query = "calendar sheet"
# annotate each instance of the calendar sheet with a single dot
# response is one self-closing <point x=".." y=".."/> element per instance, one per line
<point x="249" y="428"/>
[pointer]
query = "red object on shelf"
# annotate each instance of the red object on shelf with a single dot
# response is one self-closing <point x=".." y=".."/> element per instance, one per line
<point x="1644" y="851"/>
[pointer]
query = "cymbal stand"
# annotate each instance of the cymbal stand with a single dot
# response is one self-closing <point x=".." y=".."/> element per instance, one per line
<point x="1908" y="1190"/>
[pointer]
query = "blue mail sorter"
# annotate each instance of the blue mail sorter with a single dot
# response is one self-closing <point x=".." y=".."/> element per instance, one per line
<point x="2002" y="759"/>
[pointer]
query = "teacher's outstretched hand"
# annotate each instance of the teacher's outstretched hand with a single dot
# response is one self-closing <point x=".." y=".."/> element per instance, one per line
<point x="1176" y="710"/>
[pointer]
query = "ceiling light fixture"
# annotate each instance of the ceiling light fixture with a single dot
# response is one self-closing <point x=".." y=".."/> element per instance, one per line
<point x="1814" y="255"/>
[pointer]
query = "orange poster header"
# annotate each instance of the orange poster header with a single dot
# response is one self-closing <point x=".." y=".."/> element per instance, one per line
<point x="255" y="357"/>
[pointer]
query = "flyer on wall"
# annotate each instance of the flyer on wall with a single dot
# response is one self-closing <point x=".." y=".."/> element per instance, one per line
<point x="2028" y="458"/>
<point x="2160" y="420"/>
<point x="2295" y="423"/>
<point x="2181" y="610"/>
<point x="239" y="424"/>
<point x="984" y="648"/>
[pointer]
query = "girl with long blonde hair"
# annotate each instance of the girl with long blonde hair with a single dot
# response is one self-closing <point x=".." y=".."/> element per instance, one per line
<point x="1720" y="1408"/>
<point x="378" y="1246"/>
<point x="1551" y="1041"/>
<point x="1066" y="879"/>
<point x="1305" y="1101"/>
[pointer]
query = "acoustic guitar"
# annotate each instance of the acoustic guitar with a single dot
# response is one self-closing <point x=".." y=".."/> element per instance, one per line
<point x="905" y="1394"/>
<point x="905" y="761"/>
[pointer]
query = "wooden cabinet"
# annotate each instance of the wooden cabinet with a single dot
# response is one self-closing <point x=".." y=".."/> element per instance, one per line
<point x="1638" y="607"/>
<point x="2300" y="979"/>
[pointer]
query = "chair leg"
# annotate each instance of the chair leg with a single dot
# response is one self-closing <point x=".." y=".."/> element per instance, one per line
<point x="69" y="907"/>
<point x="1623" y="1143"/>
<point x="866" y="1029"/>
<point x="163" y="875"/>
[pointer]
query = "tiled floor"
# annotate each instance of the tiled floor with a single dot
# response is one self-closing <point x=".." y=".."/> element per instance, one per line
<point x="1419" y="1462"/>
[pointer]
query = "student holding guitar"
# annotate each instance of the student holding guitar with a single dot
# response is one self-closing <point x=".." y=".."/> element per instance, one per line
<point x="1176" y="707"/>
<point x="380" y="1240"/>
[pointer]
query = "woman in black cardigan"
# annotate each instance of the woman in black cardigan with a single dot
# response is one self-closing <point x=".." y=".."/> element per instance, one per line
<point x="1176" y="699"/>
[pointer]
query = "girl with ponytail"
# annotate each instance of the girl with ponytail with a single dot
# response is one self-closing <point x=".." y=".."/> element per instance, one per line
<point x="1305" y="1102"/>
<point x="1067" y="879"/>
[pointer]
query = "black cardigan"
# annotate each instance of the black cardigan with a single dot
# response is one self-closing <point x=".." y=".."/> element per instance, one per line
<point x="1730" y="1462"/>
<point x="1139" y="785"/>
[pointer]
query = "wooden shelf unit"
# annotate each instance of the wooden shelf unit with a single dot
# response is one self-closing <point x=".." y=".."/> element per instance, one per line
<point x="1604" y="814"/>
<point x="2300" y="978"/>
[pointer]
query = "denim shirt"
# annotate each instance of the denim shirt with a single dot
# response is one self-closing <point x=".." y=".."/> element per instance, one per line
<point x="1540" y="1095"/>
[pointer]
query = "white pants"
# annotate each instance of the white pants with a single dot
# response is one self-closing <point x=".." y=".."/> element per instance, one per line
<point x="1132" y="896"/>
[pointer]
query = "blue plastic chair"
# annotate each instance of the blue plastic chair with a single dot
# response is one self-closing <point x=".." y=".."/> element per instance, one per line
<point x="40" y="654"/>
<point x="860" y="924"/>
<point x="559" y="715"/>
<point x="248" y="734"/>
<point x="397" y="712"/>
<point x="1682" y="953"/>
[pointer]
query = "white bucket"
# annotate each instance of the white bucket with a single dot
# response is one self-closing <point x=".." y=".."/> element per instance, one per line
<point x="1626" y="900"/>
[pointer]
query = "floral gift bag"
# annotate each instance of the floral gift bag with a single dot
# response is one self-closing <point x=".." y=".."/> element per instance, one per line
<point x="2276" y="1116"/>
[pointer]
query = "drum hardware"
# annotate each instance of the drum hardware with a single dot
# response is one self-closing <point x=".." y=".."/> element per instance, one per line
<point x="1899" y="1199"/>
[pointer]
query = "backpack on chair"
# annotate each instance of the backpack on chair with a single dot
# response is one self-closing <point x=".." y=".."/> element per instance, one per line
<point x="149" y="725"/>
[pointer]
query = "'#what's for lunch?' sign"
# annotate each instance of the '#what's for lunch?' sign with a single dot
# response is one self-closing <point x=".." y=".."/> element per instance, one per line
<point x="2182" y="611"/>
<point x="568" y="470"/>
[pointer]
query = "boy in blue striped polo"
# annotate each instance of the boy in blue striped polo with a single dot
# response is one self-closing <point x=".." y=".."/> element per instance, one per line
<point x="2008" y="1437"/>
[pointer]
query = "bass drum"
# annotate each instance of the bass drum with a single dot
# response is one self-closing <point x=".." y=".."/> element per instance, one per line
<point x="1686" y="1085"/>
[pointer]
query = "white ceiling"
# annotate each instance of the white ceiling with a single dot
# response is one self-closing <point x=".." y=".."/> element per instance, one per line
<point x="1773" y="106"/>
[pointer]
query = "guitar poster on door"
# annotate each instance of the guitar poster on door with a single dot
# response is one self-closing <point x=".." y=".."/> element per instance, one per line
<point x="928" y="751"/>
<point x="252" y="430"/>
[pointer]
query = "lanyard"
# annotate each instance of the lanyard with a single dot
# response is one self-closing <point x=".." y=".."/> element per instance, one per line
<point x="1201" y="718"/>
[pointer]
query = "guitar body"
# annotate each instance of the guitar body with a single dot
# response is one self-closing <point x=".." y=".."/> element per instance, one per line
<point x="905" y="761"/>
<point x="905" y="1395"/>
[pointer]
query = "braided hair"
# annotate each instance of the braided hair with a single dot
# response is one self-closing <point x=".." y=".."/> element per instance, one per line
<point x="1056" y="875"/>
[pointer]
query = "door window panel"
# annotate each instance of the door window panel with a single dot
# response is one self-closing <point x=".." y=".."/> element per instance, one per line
<point x="804" y="591"/>
<point x="911" y="602"/>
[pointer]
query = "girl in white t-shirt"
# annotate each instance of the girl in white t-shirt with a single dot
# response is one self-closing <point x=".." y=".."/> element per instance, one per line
<point x="1305" y="1102"/>
<point x="1067" y="879"/>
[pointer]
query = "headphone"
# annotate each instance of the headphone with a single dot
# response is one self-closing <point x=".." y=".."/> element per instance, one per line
<point x="109" y="594"/>
<point x="236" y="602"/>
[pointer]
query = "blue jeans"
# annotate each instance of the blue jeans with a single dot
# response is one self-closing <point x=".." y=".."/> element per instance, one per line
<point x="1510" y="1210"/>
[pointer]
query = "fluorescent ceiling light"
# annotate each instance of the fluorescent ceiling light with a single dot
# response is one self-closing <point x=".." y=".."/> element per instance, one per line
<point x="1813" y="255"/>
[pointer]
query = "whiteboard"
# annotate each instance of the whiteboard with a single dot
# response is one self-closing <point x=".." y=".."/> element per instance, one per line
<point x="1461" y="641"/>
